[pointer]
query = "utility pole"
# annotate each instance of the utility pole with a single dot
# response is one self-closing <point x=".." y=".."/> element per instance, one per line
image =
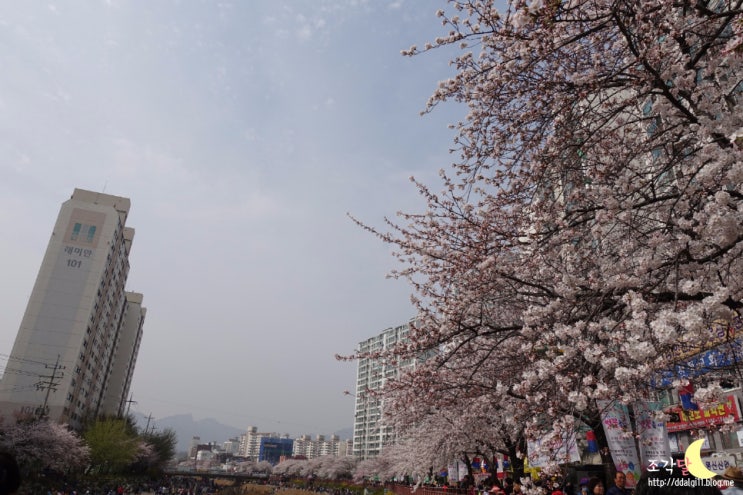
<point x="129" y="404"/>
<point x="147" y="428"/>
<point x="49" y="382"/>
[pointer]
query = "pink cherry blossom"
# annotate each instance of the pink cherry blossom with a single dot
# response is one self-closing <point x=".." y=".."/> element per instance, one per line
<point x="588" y="235"/>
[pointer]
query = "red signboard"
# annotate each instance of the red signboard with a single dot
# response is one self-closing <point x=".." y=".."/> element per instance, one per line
<point x="724" y="412"/>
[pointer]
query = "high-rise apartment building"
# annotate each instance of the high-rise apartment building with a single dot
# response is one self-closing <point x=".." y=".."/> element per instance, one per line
<point x="310" y="448"/>
<point x="77" y="345"/>
<point x="369" y="431"/>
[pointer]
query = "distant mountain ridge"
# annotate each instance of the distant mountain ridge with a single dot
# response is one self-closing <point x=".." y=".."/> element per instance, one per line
<point x="208" y="429"/>
<point x="186" y="427"/>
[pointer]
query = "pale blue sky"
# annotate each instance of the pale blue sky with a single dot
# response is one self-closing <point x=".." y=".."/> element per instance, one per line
<point x="243" y="132"/>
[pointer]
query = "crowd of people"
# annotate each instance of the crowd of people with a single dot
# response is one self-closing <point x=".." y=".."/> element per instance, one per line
<point x="650" y="483"/>
<point x="10" y="483"/>
<point x="661" y="482"/>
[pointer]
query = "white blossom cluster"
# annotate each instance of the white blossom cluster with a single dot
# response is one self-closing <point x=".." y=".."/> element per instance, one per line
<point x="45" y="443"/>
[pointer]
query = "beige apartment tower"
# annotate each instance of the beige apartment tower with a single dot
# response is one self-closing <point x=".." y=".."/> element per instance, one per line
<point x="75" y="351"/>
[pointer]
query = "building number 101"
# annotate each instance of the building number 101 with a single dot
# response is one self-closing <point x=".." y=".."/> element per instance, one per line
<point x="74" y="263"/>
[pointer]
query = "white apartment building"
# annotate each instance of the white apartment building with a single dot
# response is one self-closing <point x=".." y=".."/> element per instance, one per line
<point x="75" y="351"/>
<point x="122" y="368"/>
<point x="369" y="432"/>
<point x="250" y="442"/>
<point x="232" y="446"/>
<point x="194" y="447"/>
<point x="310" y="448"/>
<point x="345" y="448"/>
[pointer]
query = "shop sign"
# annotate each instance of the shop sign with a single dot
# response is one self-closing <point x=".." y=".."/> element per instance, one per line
<point x="719" y="463"/>
<point x="727" y="411"/>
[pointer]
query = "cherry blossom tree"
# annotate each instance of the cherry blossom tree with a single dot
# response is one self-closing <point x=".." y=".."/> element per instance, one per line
<point x="156" y="449"/>
<point x="373" y="468"/>
<point x="589" y="233"/>
<point x="327" y="467"/>
<point x="42" y="444"/>
<point x="290" y="468"/>
<point x="264" y="467"/>
<point x="336" y="467"/>
<point x="471" y="428"/>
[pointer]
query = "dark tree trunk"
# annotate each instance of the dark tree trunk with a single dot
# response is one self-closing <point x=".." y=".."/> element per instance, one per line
<point x="516" y="451"/>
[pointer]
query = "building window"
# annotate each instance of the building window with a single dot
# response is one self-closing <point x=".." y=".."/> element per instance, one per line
<point x="83" y="232"/>
<point x="732" y="439"/>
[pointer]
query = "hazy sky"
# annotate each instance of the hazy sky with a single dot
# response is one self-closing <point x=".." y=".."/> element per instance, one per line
<point x="243" y="132"/>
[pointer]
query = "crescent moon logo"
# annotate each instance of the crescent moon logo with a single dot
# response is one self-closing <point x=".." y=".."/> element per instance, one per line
<point x="693" y="460"/>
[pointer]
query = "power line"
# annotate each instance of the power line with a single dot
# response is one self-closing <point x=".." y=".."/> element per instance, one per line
<point x="23" y="360"/>
<point x="50" y="382"/>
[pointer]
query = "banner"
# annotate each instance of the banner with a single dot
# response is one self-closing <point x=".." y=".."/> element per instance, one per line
<point x="559" y="450"/>
<point x="453" y="471"/>
<point x="621" y="440"/>
<point x="652" y="433"/>
<point x="462" y="470"/>
<point x="724" y="412"/>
